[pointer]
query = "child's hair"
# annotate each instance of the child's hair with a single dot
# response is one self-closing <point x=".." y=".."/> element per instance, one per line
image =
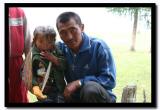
<point x="46" y="31"/>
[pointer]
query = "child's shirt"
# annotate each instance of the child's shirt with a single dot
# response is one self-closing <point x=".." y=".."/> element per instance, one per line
<point x="39" y="68"/>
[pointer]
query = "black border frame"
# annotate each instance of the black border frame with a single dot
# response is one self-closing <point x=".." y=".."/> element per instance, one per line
<point x="153" y="103"/>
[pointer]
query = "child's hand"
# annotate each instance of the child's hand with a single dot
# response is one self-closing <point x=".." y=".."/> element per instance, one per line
<point x="46" y="55"/>
<point x="50" y="57"/>
<point x="38" y="93"/>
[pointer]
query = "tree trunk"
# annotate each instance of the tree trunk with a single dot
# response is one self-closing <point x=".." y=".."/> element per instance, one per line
<point x="134" y="29"/>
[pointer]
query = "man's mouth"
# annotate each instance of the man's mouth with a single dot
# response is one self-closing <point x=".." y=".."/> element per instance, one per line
<point x="71" y="42"/>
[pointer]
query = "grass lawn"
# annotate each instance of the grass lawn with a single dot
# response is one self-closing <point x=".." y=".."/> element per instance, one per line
<point x="133" y="68"/>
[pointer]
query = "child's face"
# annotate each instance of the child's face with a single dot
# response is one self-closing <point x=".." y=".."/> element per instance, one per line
<point x="44" y="44"/>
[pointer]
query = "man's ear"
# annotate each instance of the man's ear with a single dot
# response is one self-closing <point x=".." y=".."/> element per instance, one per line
<point x="82" y="27"/>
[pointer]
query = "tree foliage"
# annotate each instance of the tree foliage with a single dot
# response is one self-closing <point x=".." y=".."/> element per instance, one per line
<point x="137" y="14"/>
<point x="144" y="13"/>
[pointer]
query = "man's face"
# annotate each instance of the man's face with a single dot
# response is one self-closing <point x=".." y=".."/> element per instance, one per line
<point x="43" y="44"/>
<point x="71" y="33"/>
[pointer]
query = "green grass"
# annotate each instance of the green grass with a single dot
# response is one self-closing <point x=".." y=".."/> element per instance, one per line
<point x="133" y="67"/>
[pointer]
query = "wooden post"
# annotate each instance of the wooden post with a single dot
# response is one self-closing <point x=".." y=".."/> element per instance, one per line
<point x="129" y="94"/>
<point x="144" y="96"/>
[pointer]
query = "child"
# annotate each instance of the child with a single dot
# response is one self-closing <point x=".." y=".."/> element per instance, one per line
<point x="44" y="51"/>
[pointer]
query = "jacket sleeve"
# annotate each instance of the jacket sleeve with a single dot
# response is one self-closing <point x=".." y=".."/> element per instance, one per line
<point x="61" y="58"/>
<point x="106" y="74"/>
<point x="63" y="65"/>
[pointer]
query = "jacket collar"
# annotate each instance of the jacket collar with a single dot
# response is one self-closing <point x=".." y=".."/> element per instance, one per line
<point x="85" y="43"/>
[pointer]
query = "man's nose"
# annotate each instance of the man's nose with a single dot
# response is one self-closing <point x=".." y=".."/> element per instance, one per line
<point x="69" y="36"/>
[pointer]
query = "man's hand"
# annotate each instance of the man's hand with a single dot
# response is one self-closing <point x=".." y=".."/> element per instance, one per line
<point x="38" y="93"/>
<point x="50" y="57"/>
<point x="70" y="89"/>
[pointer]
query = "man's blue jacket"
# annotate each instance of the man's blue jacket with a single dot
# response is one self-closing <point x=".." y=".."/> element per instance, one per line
<point x="93" y="62"/>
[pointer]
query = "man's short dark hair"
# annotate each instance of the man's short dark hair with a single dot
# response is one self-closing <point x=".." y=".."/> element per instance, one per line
<point x="66" y="16"/>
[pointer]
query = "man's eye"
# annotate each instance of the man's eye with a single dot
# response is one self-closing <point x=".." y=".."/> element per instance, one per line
<point x="73" y="30"/>
<point x="63" y="33"/>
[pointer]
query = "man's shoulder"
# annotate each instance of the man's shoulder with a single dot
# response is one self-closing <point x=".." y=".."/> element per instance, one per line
<point x="61" y="49"/>
<point x="60" y="45"/>
<point x="98" y="42"/>
<point x="58" y="50"/>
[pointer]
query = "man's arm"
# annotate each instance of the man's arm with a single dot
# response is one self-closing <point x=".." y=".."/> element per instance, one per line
<point x="106" y="74"/>
<point x="27" y="37"/>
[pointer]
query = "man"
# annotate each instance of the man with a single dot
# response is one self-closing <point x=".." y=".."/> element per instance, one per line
<point x="91" y="75"/>
<point x="19" y="43"/>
